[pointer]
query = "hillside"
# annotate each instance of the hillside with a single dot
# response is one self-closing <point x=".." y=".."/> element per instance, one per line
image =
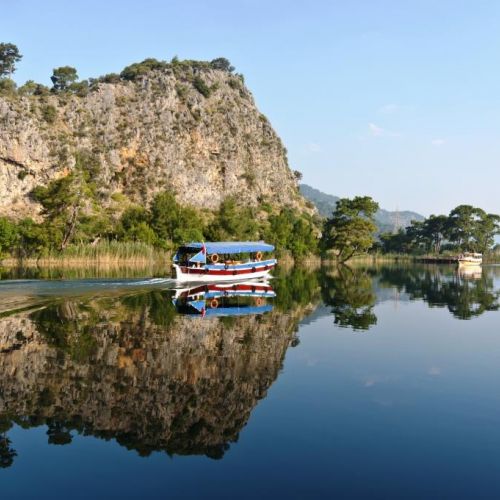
<point x="188" y="127"/>
<point x="386" y="220"/>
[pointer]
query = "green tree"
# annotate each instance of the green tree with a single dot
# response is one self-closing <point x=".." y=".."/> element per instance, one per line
<point x="174" y="224"/>
<point x="8" y="235"/>
<point x="288" y="231"/>
<point x="397" y="242"/>
<point x="434" y="231"/>
<point x="139" y="69"/>
<point x="9" y="56"/>
<point x="222" y="64"/>
<point x="63" y="77"/>
<point x="134" y="226"/>
<point x="487" y="227"/>
<point x="351" y="228"/>
<point x="233" y="222"/>
<point x="33" y="238"/>
<point x="66" y="200"/>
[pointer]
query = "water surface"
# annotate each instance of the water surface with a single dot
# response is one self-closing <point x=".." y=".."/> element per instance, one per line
<point x="367" y="382"/>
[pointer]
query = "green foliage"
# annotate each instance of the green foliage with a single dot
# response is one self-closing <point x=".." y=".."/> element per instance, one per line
<point x="221" y="63"/>
<point x="9" y="56"/>
<point x="466" y="228"/>
<point x="181" y="90"/>
<point x="49" y="113"/>
<point x="351" y="228"/>
<point x="174" y="224"/>
<point x="33" y="88"/>
<point x="7" y="87"/>
<point x="63" y="77"/>
<point x="232" y="222"/>
<point x="134" y="226"/>
<point x="65" y="201"/>
<point x="288" y="231"/>
<point x="81" y="89"/>
<point x="137" y="70"/>
<point x="29" y="88"/>
<point x="350" y="294"/>
<point x="8" y="235"/>
<point x="201" y="86"/>
<point x="33" y="239"/>
<point x="110" y="78"/>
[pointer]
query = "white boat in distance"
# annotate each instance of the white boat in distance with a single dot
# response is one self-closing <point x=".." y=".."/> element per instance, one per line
<point x="470" y="259"/>
<point x="222" y="261"/>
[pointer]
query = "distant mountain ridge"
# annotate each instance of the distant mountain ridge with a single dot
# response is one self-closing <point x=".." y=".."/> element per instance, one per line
<point x="385" y="219"/>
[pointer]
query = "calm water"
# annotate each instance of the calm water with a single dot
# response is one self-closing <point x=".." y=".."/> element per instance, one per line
<point x="352" y="383"/>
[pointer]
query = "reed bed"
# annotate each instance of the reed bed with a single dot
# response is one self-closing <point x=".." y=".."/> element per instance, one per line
<point x="109" y="253"/>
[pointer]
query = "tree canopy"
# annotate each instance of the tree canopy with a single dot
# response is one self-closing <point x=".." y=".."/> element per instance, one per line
<point x="351" y="229"/>
<point x="9" y="56"/>
<point x="466" y="228"/>
<point x="63" y="77"/>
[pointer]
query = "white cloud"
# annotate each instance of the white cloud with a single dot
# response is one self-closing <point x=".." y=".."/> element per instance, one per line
<point x="437" y="142"/>
<point x="377" y="131"/>
<point x="388" y="109"/>
<point x="312" y="147"/>
<point x="434" y="371"/>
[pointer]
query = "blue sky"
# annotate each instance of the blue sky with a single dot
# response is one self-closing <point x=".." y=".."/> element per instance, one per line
<point x="399" y="100"/>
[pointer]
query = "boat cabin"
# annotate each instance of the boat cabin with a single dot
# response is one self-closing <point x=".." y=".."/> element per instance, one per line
<point x="223" y="260"/>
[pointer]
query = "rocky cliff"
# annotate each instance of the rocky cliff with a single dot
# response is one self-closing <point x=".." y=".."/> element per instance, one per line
<point x="185" y="127"/>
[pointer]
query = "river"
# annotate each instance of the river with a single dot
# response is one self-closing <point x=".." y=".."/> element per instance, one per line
<point x="362" y="382"/>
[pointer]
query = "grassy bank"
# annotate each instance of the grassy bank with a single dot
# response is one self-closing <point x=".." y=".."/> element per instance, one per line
<point x="105" y="253"/>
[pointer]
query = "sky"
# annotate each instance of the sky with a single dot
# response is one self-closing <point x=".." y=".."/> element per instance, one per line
<point x="398" y="100"/>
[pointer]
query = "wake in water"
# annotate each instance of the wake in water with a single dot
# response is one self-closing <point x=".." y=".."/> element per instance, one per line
<point x="28" y="293"/>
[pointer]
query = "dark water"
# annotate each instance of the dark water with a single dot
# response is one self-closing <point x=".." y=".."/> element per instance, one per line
<point x="349" y="383"/>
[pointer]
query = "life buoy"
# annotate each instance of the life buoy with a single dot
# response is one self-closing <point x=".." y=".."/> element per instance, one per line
<point x="214" y="258"/>
<point x="258" y="256"/>
<point x="214" y="303"/>
<point x="258" y="301"/>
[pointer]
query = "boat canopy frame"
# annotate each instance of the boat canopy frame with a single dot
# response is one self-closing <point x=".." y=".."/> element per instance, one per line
<point x="201" y="250"/>
<point x="230" y="247"/>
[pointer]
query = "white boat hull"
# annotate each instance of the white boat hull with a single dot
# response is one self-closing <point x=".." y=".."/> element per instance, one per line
<point x="194" y="275"/>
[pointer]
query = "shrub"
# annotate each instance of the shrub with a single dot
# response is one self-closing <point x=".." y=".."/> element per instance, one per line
<point x="49" y="113"/>
<point x="221" y="63"/>
<point x="201" y="87"/>
<point x="7" y="86"/>
<point x="136" y="70"/>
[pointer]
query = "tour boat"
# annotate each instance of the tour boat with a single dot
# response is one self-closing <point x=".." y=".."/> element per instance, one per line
<point x="223" y="261"/>
<point x="470" y="259"/>
<point x="224" y="299"/>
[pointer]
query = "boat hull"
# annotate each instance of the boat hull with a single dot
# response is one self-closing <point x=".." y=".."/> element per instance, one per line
<point x="469" y="262"/>
<point x="221" y="272"/>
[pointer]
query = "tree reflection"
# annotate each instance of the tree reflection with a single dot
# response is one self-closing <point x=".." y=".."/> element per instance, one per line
<point x="465" y="295"/>
<point x="350" y="293"/>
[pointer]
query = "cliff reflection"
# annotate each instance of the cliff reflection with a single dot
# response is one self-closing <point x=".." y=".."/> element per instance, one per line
<point x="132" y="369"/>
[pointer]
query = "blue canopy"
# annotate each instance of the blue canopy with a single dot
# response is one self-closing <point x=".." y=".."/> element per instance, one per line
<point x="230" y="246"/>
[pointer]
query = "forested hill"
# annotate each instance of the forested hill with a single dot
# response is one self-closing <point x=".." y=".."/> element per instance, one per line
<point x="188" y="127"/>
<point x="386" y="220"/>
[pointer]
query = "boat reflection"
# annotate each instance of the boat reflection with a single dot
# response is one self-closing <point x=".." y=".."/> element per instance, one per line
<point x="224" y="299"/>
<point x="470" y="272"/>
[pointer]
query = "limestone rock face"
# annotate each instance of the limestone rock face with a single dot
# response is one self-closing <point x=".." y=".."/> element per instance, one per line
<point x="157" y="132"/>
